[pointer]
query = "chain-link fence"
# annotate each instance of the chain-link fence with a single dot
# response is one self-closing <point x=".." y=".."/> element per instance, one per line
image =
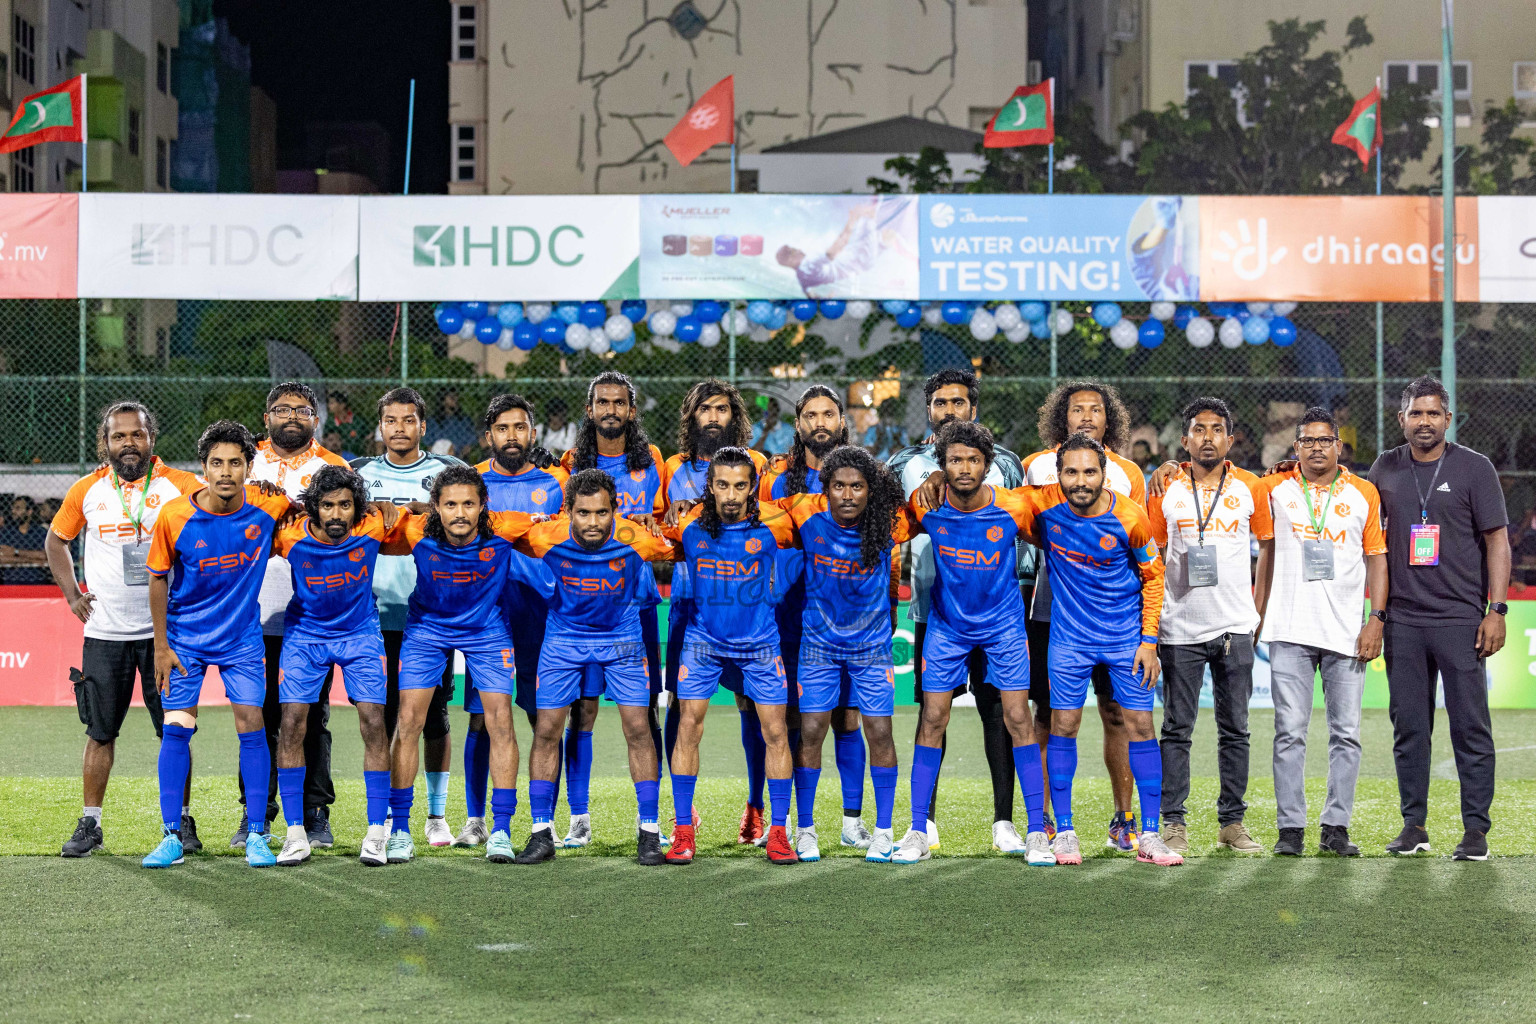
<point x="196" y="361"/>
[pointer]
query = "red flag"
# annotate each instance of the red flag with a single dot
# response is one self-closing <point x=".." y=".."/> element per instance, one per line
<point x="1027" y="119"/>
<point x="1361" y="130"/>
<point x="709" y="122"/>
<point x="52" y="115"/>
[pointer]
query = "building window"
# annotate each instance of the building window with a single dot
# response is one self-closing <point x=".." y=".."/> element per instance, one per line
<point x="1426" y="74"/>
<point x="24" y="50"/>
<point x="162" y="67"/>
<point x="465" y="32"/>
<point x="1525" y="88"/>
<point x="1080" y="49"/>
<point x="133" y="132"/>
<point x="978" y="118"/>
<point x="464" y="163"/>
<point x="23" y="170"/>
<point x="1225" y="72"/>
<point x="162" y="163"/>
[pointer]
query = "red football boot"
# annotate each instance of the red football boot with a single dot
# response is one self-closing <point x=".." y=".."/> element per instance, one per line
<point x="780" y="849"/>
<point x="751" y="826"/>
<point x="681" y="850"/>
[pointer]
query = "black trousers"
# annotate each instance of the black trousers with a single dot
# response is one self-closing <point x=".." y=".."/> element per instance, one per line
<point x="994" y="731"/>
<point x="1415" y="655"/>
<point x="1230" y="657"/>
<point x="318" y="788"/>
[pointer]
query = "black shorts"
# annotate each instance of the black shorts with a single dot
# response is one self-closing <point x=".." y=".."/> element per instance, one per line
<point x="104" y="685"/>
<point x="437" y="725"/>
<point x="1040" y="676"/>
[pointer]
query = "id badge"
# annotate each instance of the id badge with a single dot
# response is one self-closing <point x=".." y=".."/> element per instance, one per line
<point x="1316" y="560"/>
<point x="1424" y="544"/>
<point x="135" y="564"/>
<point x="1200" y="567"/>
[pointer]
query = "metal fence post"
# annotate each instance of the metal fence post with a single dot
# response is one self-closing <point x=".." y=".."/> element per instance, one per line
<point x="405" y="337"/>
<point x="731" y="339"/>
<point x="1381" y="437"/>
<point x="1051" y="319"/>
<point x="80" y="371"/>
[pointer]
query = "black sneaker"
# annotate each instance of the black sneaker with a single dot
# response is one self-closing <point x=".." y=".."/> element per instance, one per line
<point x="317" y="826"/>
<point x="1335" y="839"/>
<point x="237" y="841"/>
<point x="540" y="848"/>
<point x="189" y="841"/>
<point x="87" y="839"/>
<point x="1412" y="839"/>
<point x="1293" y="842"/>
<point x="650" y="852"/>
<point x="1473" y="846"/>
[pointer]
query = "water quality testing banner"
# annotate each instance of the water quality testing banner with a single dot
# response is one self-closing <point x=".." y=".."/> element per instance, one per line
<point x="494" y="248"/>
<point x="1125" y="248"/>
<point x="778" y="247"/>
<point x="183" y="246"/>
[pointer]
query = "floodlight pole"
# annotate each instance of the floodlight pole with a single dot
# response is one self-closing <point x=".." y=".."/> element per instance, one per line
<point x="1448" y="209"/>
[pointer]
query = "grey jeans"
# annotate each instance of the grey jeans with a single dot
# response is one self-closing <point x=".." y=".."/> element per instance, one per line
<point x="1293" y="668"/>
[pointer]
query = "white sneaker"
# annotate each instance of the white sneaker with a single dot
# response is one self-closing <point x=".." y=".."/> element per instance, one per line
<point x="375" y="852"/>
<point x="1037" y="850"/>
<point x="295" y="847"/>
<point x="438" y="832"/>
<point x="912" y="848"/>
<point x="472" y="834"/>
<point x="1006" y="838"/>
<point x="580" y="832"/>
<point x="855" y="834"/>
<point x="1066" y="848"/>
<point x="933" y="835"/>
<point x="807" y="846"/>
<point x="881" y="845"/>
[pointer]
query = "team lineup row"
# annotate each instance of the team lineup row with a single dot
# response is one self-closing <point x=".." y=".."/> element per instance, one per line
<point x="783" y="589"/>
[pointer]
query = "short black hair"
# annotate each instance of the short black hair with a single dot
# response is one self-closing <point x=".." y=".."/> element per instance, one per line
<point x="150" y="423"/>
<point x="503" y="404"/>
<point x="293" y="387"/>
<point x="966" y="433"/>
<point x="1206" y="403"/>
<point x="335" y="478"/>
<point x="1078" y="442"/>
<point x="1423" y="387"/>
<point x="945" y="378"/>
<point x="590" y="481"/>
<point x="226" y="432"/>
<point x="404" y="396"/>
<point x="555" y="405"/>
<point x="343" y="399"/>
<point x="1316" y="414"/>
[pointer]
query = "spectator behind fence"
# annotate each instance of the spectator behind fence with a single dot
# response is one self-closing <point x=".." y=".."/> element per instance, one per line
<point x="771" y="435"/>
<point x="558" y="434"/>
<point x="1522" y="541"/>
<point x="353" y="433"/>
<point x="452" y="432"/>
<point x="887" y="436"/>
<point x="21" y="544"/>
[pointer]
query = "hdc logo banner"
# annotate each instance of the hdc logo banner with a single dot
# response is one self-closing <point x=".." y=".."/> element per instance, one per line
<point x="38" y="235"/>
<point x="499" y="247"/>
<point x="185" y="246"/>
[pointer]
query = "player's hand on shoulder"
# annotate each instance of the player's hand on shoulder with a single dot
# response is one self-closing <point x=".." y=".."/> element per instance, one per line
<point x="388" y="511"/>
<point x="647" y="520"/>
<point x="1157" y="484"/>
<point x="1282" y="467"/>
<point x="288" y="518"/>
<point x="418" y="508"/>
<point x="269" y="488"/>
<point x="541" y="457"/>
<point x="930" y="493"/>
<point x="677" y="510"/>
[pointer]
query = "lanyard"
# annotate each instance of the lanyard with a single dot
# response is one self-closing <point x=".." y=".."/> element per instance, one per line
<point x="136" y="520"/>
<point x="1306" y="492"/>
<point x="1424" y="495"/>
<point x="1202" y="520"/>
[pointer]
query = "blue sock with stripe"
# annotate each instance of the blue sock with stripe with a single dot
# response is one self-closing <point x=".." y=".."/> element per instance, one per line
<point x="503" y="807"/>
<point x="376" y="786"/>
<point x="885" y="793"/>
<point x="778" y="800"/>
<point x="400" y="800"/>
<point x="477" y="771"/>
<point x="757" y="755"/>
<point x="1061" y="765"/>
<point x="174" y="762"/>
<point x="648" y="799"/>
<point x="290" y="790"/>
<point x="578" y="770"/>
<point x="925" y="769"/>
<point x="256" y="773"/>
<point x="1147" y="769"/>
<point x="1026" y="764"/>
<point x="849" y="747"/>
<point x="541" y="801"/>
<point x="806" y="780"/>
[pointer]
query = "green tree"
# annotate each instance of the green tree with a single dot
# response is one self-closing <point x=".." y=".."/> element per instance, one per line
<point x="1505" y="163"/>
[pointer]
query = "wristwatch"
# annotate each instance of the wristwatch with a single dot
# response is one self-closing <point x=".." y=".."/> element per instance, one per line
<point x="1380" y="614"/>
<point x="1499" y="608"/>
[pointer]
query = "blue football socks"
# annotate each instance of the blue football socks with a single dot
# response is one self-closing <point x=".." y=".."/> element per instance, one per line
<point x="648" y="799"/>
<point x="757" y="755"/>
<point x="256" y="772"/>
<point x="925" y="769"/>
<point x="174" y="763"/>
<point x="503" y="807"/>
<point x="376" y="786"/>
<point x="290" y="790"/>
<point x="400" y="800"/>
<point x="806" y="780"/>
<point x="578" y="769"/>
<point x="1026" y="764"/>
<point x="541" y="801"/>
<point x="682" y="797"/>
<point x="477" y="771"/>
<point x="1061" y="765"/>
<point x="437" y="793"/>
<point x="778" y="800"/>
<point x="1147" y="769"/>
<point x="885" y="793"/>
<point x="849" y="747"/>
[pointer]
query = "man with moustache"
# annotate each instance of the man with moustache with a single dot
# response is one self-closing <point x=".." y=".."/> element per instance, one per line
<point x="116" y="507"/>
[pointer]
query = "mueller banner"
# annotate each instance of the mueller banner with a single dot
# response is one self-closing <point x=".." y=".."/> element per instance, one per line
<point x="494" y="248"/>
<point x="1061" y="247"/>
<point x="778" y="247"/>
<point x="185" y="246"/>
<point x="38" y="235"/>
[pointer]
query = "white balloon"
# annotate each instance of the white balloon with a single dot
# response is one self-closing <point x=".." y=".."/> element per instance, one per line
<point x="1258" y="308"/>
<point x="1163" y="310"/>
<point x="662" y="322"/>
<point x="492" y="308"/>
<point x="1124" y="334"/>
<point x="598" y="342"/>
<point x="983" y="326"/>
<point x="616" y="327"/>
<point x="759" y="333"/>
<point x="681" y="308"/>
<point x="1017" y="334"/>
<point x="577" y="336"/>
<point x="735" y="322"/>
<point x="536" y="312"/>
<point x="1061" y="322"/>
<point x="1231" y="333"/>
<point x="1282" y="308"/>
<point x="709" y="335"/>
<point x="1200" y="331"/>
<point x="467" y="331"/>
<point x="505" y="342"/>
<point x="933" y="316"/>
<point x="1007" y="316"/>
<point x="859" y="309"/>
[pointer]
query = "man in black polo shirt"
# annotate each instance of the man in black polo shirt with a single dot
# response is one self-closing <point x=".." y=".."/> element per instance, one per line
<point x="1447" y="555"/>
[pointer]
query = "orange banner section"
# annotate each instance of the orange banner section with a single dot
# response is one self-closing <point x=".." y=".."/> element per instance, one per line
<point x="1339" y="248"/>
<point x="39" y="238"/>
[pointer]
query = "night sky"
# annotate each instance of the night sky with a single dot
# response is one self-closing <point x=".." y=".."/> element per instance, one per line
<point x="346" y="60"/>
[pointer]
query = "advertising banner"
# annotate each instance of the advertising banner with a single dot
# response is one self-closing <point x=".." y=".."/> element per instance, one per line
<point x="1061" y="247"/>
<point x="1506" y="227"/>
<point x="1339" y="248"/>
<point x="778" y="247"/>
<point x="38" y="236"/>
<point x="187" y="246"/>
<point x="497" y="248"/>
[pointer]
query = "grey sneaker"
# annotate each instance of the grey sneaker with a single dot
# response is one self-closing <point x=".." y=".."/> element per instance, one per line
<point x="472" y="834"/>
<point x="1235" y="837"/>
<point x="881" y="845"/>
<point x="808" y="845"/>
<point x="1037" y="850"/>
<point x="1175" y="836"/>
<point x="855" y="834"/>
<point x="580" y="832"/>
<point x="1153" y="849"/>
<point x="912" y="848"/>
<point x="1066" y="848"/>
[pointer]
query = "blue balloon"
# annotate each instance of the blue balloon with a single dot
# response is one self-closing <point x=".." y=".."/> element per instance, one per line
<point x="1282" y="331"/>
<point x="593" y="314"/>
<point x="1040" y="328"/>
<point x="688" y="329"/>
<point x="708" y="311"/>
<point x="1256" y="330"/>
<point x="526" y="336"/>
<point x="895" y="307"/>
<point x="510" y="314"/>
<point x="1240" y="313"/>
<point x="955" y="312"/>
<point x="487" y="330"/>
<point x="759" y="311"/>
<point x="910" y="316"/>
<point x="1150" y="334"/>
<point x="804" y="310"/>
<point x="1032" y="311"/>
<point x="833" y="308"/>
<point x="552" y="330"/>
<point x="634" y="309"/>
<point x="568" y="313"/>
<point x="449" y="319"/>
<point x="779" y="318"/>
<point x="565" y="349"/>
<point x="1106" y="314"/>
<point x="1183" y="315"/>
<point x="473" y="310"/>
<point x="625" y="343"/>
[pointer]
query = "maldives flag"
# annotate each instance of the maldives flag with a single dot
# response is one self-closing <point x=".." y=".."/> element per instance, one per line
<point x="709" y="122"/>
<point x="52" y="115"/>
<point x="1361" y="130"/>
<point x="1025" y="120"/>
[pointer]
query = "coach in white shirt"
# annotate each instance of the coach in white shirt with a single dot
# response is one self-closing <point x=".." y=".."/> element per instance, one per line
<point x="1329" y="546"/>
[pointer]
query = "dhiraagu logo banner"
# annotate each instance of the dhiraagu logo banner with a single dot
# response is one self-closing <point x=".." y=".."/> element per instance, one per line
<point x="1060" y="247"/>
<point x="499" y="247"/>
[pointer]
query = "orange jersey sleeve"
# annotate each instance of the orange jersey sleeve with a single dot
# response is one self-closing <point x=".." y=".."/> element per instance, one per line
<point x="512" y="526"/>
<point x="185" y="482"/>
<point x="284" y="540"/>
<point x="543" y="536"/>
<point x="1372" y="538"/>
<point x="649" y="546"/>
<point x="1019" y="502"/>
<point x="904" y="529"/>
<point x="1138" y="528"/>
<point x="1158" y="520"/>
<point x="326" y="455"/>
<point x="408" y="531"/>
<point x="568" y="461"/>
<point x="781" y="525"/>
<point x="1137" y="478"/>
<point x="69" y="520"/>
<point x="274" y="505"/>
<point x="767" y="475"/>
<point x="168" y="526"/>
<point x="1262" y="523"/>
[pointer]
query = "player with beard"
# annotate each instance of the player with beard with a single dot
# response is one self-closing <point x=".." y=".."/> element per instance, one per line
<point x="513" y="484"/>
<point x="116" y="508"/>
<point x="819" y="428"/>
<point x="611" y="439"/>
<point x="289" y="458"/>
<point x="712" y="416"/>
